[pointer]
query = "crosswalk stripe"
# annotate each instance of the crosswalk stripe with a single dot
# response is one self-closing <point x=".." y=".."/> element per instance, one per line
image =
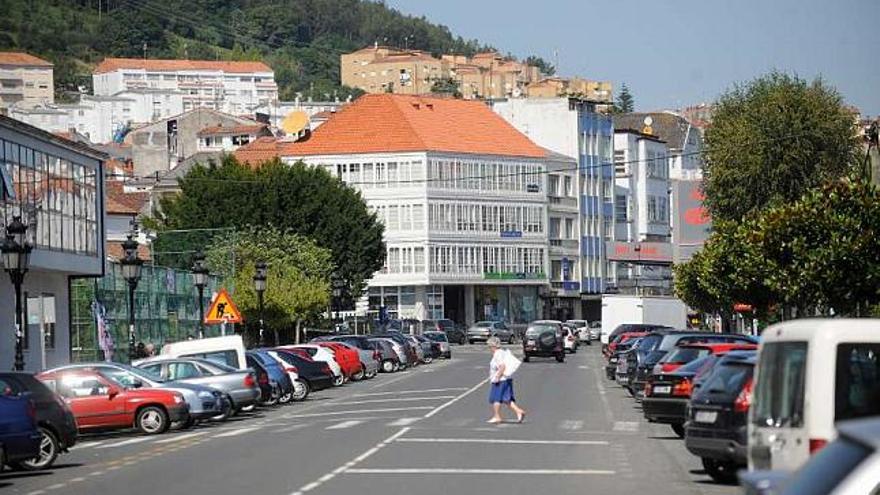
<point x="626" y="426"/>
<point x="362" y="411"/>
<point x="130" y="441"/>
<point x="400" y="399"/>
<point x="86" y="445"/>
<point x="509" y="441"/>
<point x="403" y="422"/>
<point x="422" y="391"/>
<point x="344" y="425"/>
<point x="233" y="433"/>
<point x="571" y="425"/>
<point x="177" y="438"/>
<point x="478" y="471"/>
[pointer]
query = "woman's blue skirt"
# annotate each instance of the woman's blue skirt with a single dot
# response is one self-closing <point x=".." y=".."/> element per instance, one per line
<point x="501" y="392"/>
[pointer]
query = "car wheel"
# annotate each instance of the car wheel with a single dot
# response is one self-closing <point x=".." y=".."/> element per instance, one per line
<point x="396" y="367"/>
<point x="227" y="412"/>
<point x="49" y="448"/>
<point x="462" y="341"/>
<point x="152" y="420"/>
<point x="358" y="376"/>
<point x="338" y="380"/>
<point x="286" y="397"/>
<point x="428" y="359"/>
<point x="526" y="358"/>
<point x="300" y="390"/>
<point x="560" y="358"/>
<point x="722" y="472"/>
<point x="387" y="366"/>
<point x="678" y="428"/>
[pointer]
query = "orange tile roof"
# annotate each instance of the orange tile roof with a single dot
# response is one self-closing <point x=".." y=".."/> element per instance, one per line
<point x="378" y="123"/>
<point x="169" y="65"/>
<point x="232" y="129"/>
<point x="115" y="251"/>
<point x="258" y="151"/>
<point x="119" y="201"/>
<point x="20" y="58"/>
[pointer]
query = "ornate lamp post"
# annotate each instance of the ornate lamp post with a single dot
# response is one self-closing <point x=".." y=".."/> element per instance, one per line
<point x="337" y="285"/>
<point x="131" y="272"/>
<point x="637" y="273"/>
<point x="16" y="258"/>
<point x="260" y="275"/>
<point x="200" y="280"/>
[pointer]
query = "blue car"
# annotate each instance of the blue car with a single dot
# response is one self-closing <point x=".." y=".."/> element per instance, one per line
<point x="19" y="436"/>
<point x="277" y="375"/>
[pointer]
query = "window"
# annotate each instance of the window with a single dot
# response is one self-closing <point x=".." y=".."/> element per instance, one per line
<point x="620" y="167"/>
<point x="857" y="381"/>
<point x="555" y="228"/>
<point x="620" y="208"/>
<point x="568" y="189"/>
<point x="180" y="371"/>
<point x="779" y="393"/>
<point x="81" y="386"/>
<point x="553" y="185"/>
<point x="40" y="311"/>
<point x="569" y="228"/>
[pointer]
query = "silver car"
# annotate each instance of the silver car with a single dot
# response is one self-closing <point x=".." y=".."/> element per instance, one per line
<point x="240" y="386"/>
<point x="482" y="330"/>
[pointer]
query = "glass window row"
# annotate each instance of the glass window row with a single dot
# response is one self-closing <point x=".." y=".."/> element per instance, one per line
<point x="486" y="176"/>
<point x="401" y="217"/>
<point x="380" y="174"/>
<point x="481" y="260"/>
<point x="467" y="217"/>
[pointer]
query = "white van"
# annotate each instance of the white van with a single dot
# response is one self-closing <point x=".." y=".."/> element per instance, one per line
<point x="811" y="374"/>
<point x="228" y="350"/>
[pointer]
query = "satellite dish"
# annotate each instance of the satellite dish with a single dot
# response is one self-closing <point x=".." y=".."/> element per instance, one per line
<point x="649" y="121"/>
<point x="647" y="129"/>
<point x="295" y="122"/>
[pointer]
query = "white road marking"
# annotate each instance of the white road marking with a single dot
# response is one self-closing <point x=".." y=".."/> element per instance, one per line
<point x="583" y="367"/>
<point x="571" y="425"/>
<point x="453" y="401"/>
<point x="233" y="433"/>
<point x="403" y="422"/>
<point x="626" y="426"/>
<point x="56" y="486"/>
<point x="344" y="425"/>
<point x="177" y="438"/>
<point x="361" y="411"/>
<point x="423" y="391"/>
<point x="401" y="399"/>
<point x="291" y="428"/>
<point x="130" y="441"/>
<point x="477" y="471"/>
<point x="502" y="441"/>
<point x="86" y="445"/>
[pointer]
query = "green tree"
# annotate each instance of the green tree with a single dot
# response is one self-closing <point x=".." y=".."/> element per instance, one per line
<point x="625" y="102"/>
<point x="303" y="200"/>
<point x="446" y="85"/>
<point x="298" y="281"/>
<point x="773" y="139"/>
<point x="544" y="66"/>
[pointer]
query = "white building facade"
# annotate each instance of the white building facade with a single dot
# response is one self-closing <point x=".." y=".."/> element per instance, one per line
<point x="574" y="128"/>
<point x="237" y="88"/>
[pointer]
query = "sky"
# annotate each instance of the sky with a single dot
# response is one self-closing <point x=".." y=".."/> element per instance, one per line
<point x="676" y="53"/>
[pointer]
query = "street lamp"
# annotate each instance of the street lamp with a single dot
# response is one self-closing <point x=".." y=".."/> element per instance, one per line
<point x="131" y="272"/>
<point x="16" y="258"/>
<point x="638" y="272"/>
<point x="260" y="276"/>
<point x="200" y="280"/>
<point x="337" y="284"/>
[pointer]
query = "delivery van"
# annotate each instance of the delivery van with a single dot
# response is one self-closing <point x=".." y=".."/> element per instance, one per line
<point x="228" y="350"/>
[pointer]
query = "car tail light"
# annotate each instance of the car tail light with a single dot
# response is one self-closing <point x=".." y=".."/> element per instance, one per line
<point x="263" y="379"/>
<point x="647" y="389"/>
<point x="249" y="381"/>
<point x="292" y="369"/>
<point x="744" y="399"/>
<point x="683" y="388"/>
<point x="32" y="410"/>
<point x="667" y="367"/>
<point x="377" y="356"/>
<point x="816" y="444"/>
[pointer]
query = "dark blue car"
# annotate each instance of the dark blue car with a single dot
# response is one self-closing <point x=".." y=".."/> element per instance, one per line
<point x="19" y="436"/>
<point x="277" y="374"/>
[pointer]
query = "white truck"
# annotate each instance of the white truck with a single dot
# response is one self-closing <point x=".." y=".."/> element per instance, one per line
<point x="618" y="309"/>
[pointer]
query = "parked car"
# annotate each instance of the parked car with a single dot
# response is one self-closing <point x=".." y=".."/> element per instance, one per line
<point x="54" y="419"/>
<point x="391" y="354"/>
<point x="667" y="393"/>
<point x="301" y="388"/>
<point x="442" y="340"/>
<point x="622" y="345"/>
<point x="837" y="360"/>
<point x="629" y="327"/>
<point x="239" y="386"/>
<point x="582" y="330"/>
<point x="427" y="349"/>
<point x="20" y="439"/>
<point x="316" y="374"/>
<point x="228" y="350"/>
<point x="99" y="402"/>
<point x="716" y="430"/>
<point x="850" y="465"/>
<point x="544" y="338"/>
<point x="412" y="358"/>
<point x="203" y="402"/>
<point x="318" y="353"/>
<point x="349" y="360"/>
<point x="276" y="372"/>
<point x="595" y="329"/>
<point x="369" y="356"/>
<point x="453" y="331"/>
<point x="569" y="338"/>
<point x="270" y="389"/>
<point x="482" y="330"/>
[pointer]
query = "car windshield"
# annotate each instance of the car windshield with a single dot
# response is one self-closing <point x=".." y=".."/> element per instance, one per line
<point x="649" y="343"/>
<point x="779" y="391"/>
<point x="436" y="337"/>
<point x="484" y="324"/>
<point x="696" y="365"/>
<point x="143" y="374"/>
<point x="220" y="366"/>
<point x="540" y="328"/>
<point x="728" y="378"/>
<point x="686" y="354"/>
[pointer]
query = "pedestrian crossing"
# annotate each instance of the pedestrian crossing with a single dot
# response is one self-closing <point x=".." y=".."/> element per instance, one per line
<point x="284" y="425"/>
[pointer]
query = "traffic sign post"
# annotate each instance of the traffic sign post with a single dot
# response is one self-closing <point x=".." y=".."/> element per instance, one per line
<point x="222" y="311"/>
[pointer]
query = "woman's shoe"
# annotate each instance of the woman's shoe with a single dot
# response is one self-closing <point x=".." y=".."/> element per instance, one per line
<point x="495" y="421"/>
<point x="521" y="417"/>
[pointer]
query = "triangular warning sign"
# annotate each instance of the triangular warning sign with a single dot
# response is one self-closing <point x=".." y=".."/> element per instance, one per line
<point x="222" y="310"/>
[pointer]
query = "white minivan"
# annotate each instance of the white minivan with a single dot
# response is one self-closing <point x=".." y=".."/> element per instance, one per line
<point x="228" y="350"/>
<point x="811" y="373"/>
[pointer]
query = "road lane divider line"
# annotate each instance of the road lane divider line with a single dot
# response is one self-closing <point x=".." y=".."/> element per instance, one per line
<point x="479" y="471"/>
<point x="421" y="391"/>
<point x="402" y="399"/>
<point x="508" y="441"/>
<point x="234" y="433"/>
<point x="86" y="445"/>
<point x="361" y="411"/>
<point x="130" y="441"/>
<point x="404" y="421"/>
<point x="344" y="425"/>
<point x="177" y="438"/>
<point x="456" y="399"/>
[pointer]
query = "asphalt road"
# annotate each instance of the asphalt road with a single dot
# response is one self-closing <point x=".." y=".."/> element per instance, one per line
<point x="418" y="432"/>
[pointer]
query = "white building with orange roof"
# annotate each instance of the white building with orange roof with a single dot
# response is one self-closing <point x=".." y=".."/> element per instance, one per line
<point x="462" y="195"/>
<point x="236" y="87"/>
<point x="25" y="80"/>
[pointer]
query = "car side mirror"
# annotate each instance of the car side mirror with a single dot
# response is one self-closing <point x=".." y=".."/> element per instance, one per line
<point x="113" y="392"/>
<point x="137" y="383"/>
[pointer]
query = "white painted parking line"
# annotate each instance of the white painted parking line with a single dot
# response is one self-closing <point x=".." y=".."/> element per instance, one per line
<point x="234" y="433"/>
<point x="130" y="441"/>
<point x="456" y="399"/>
<point x="501" y="441"/>
<point x="361" y="411"/>
<point x="178" y="438"/>
<point x="86" y="445"/>
<point x="344" y="425"/>
<point x="401" y="399"/>
<point x="291" y="428"/>
<point x="477" y="471"/>
<point x="626" y="426"/>
<point x="571" y="425"/>
<point x="583" y="367"/>
<point x="403" y="422"/>
<point x="403" y="392"/>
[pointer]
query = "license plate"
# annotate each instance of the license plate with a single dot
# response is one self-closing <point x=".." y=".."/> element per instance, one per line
<point x="705" y="416"/>
<point x="614" y="360"/>
<point x="531" y="342"/>
<point x="662" y="389"/>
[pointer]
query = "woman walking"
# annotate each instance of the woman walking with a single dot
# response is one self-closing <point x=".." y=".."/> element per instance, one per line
<point x="501" y="369"/>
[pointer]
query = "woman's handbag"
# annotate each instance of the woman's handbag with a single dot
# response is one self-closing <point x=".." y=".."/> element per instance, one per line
<point x="511" y="363"/>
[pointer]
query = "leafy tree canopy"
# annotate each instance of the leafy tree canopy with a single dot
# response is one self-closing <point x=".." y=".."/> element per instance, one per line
<point x="773" y="139"/>
<point x="298" y="199"/>
<point x="446" y="85"/>
<point x="544" y="66"/>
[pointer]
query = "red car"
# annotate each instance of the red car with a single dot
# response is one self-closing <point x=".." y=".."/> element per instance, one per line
<point x="620" y="339"/>
<point x="347" y="358"/>
<point x="99" y="402"/>
<point x="686" y="353"/>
